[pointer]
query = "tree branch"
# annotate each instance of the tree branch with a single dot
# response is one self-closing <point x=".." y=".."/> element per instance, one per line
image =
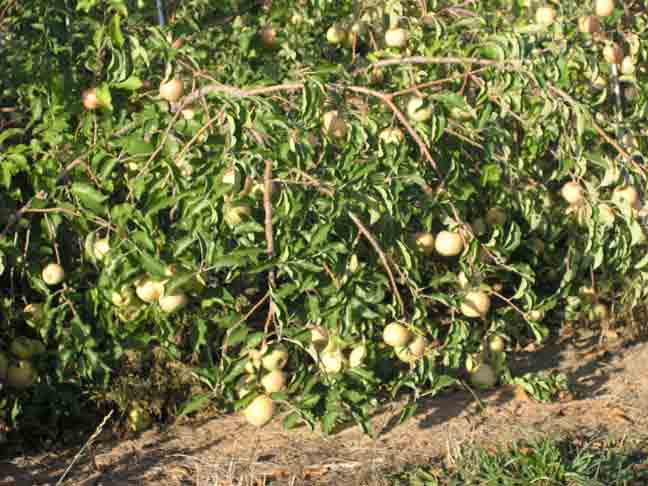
<point x="381" y="254"/>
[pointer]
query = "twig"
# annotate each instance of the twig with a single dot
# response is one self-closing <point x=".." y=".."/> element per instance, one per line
<point x="513" y="64"/>
<point x="382" y="256"/>
<point x="267" y="206"/>
<point x="313" y="182"/>
<point x="597" y="127"/>
<point x="399" y="114"/>
<point x="244" y="318"/>
<point x="85" y="446"/>
<point x="16" y="217"/>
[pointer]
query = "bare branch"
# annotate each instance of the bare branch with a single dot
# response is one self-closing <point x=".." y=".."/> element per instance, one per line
<point x="381" y="254"/>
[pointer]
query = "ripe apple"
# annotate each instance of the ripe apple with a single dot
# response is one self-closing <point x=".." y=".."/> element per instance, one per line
<point x="101" y="247"/>
<point x="336" y="34"/>
<point x="476" y="303"/>
<point x="600" y="312"/>
<point x="572" y="192"/>
<point x="589" y="24"/>
<point x="496" y="344"/>
<point x="274" y="382"/>
<point x="425" y="242"/>
<point x="149" y="290"/>
<point x="90" y="99"/>
<point x="483" y="376"/>
<point x="603" y="8"/>
<point x="259" y="412"/>
<point x="276" y="359"/>
<point x="334" y="125"/>
<point x="391" y="136"/>
<point x="235" y="213"/>
<point x="36" y="311"/>
<point x="417" y="347"/>
<point x="448" y="243"/>
<point x="139" y="419"/>
<point x="396" y="335"/>
<point x="396" y="37"/>
<point x="171" y="90"/>
<point x="628" y="66"/>
<point x="417" y="109"/>
<point x="613" y="53"/>
<point x="357" y="356"/>
<point x="268" y="35"/>
<point x="545" y="15"/>
<point x="626" y="195"/>
<point x="332" y="361"/>
<point x="53" y="274"/>
<point x="172" y="303"/>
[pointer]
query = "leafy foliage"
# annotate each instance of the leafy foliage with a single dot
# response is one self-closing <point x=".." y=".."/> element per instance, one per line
<point x="517" y="110"/>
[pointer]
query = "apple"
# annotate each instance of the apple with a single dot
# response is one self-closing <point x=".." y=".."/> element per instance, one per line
<point x="172" y="303"/>
<point x="101" y="248"/>
<point x="334" y="125"/>
<point x="628" y="66"/>
<point x="424" y="242"/>
<point x="274" y="382"/>
<point x="496" y="217"/>
<point x="336" y="34"/>
<point x="149" y="290"/>
<point x="357" y="356"/>
<point x="603" y="8"/>
<point x="626" y="195"/>
<point x="268" y="35"/>
<point x="171" y="90"/>
<point x="417" y="109"/>
<point x="476" y="303"/>
<point x="496" y="343"/>
<point x="545" y="15"/>
<point x="396" y="37"/>
<point x="53" y="274"/>
<point x="139" y="419"/>
<point x="21" y="375"/>
<point x="483" y="376"/>
<point x="589" y="24"/>
<point x="259" y="412"/>
<point x="332" y="361"/>
<point x="613" y="53"/>
<point x="600" y="312"/>
<point x="572" y="192"/>
<point x="236" y="213"/>
<point x="448" y="243"/>
<point x="396" y="335"/>
<point x="90" y="99"/>
<point x="391" y="136"/>
<point x="36" y="311"/>
<point x="275" y="359"/>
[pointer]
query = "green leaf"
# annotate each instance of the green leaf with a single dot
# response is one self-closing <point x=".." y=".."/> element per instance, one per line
<point x="90" y="197"/>
<point x="115" y="31"/>
<point x="133" y="83"/>
<point x="195" y="404"/>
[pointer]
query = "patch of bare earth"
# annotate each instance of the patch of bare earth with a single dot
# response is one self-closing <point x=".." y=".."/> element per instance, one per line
<point x="611" y="384"/>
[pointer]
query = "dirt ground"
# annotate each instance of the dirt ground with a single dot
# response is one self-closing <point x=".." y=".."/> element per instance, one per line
<point x="611" y="392"/>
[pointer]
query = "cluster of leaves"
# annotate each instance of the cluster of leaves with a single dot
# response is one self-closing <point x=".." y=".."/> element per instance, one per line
<point x="574" y="460"/>
<point x="515" y="115"/>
